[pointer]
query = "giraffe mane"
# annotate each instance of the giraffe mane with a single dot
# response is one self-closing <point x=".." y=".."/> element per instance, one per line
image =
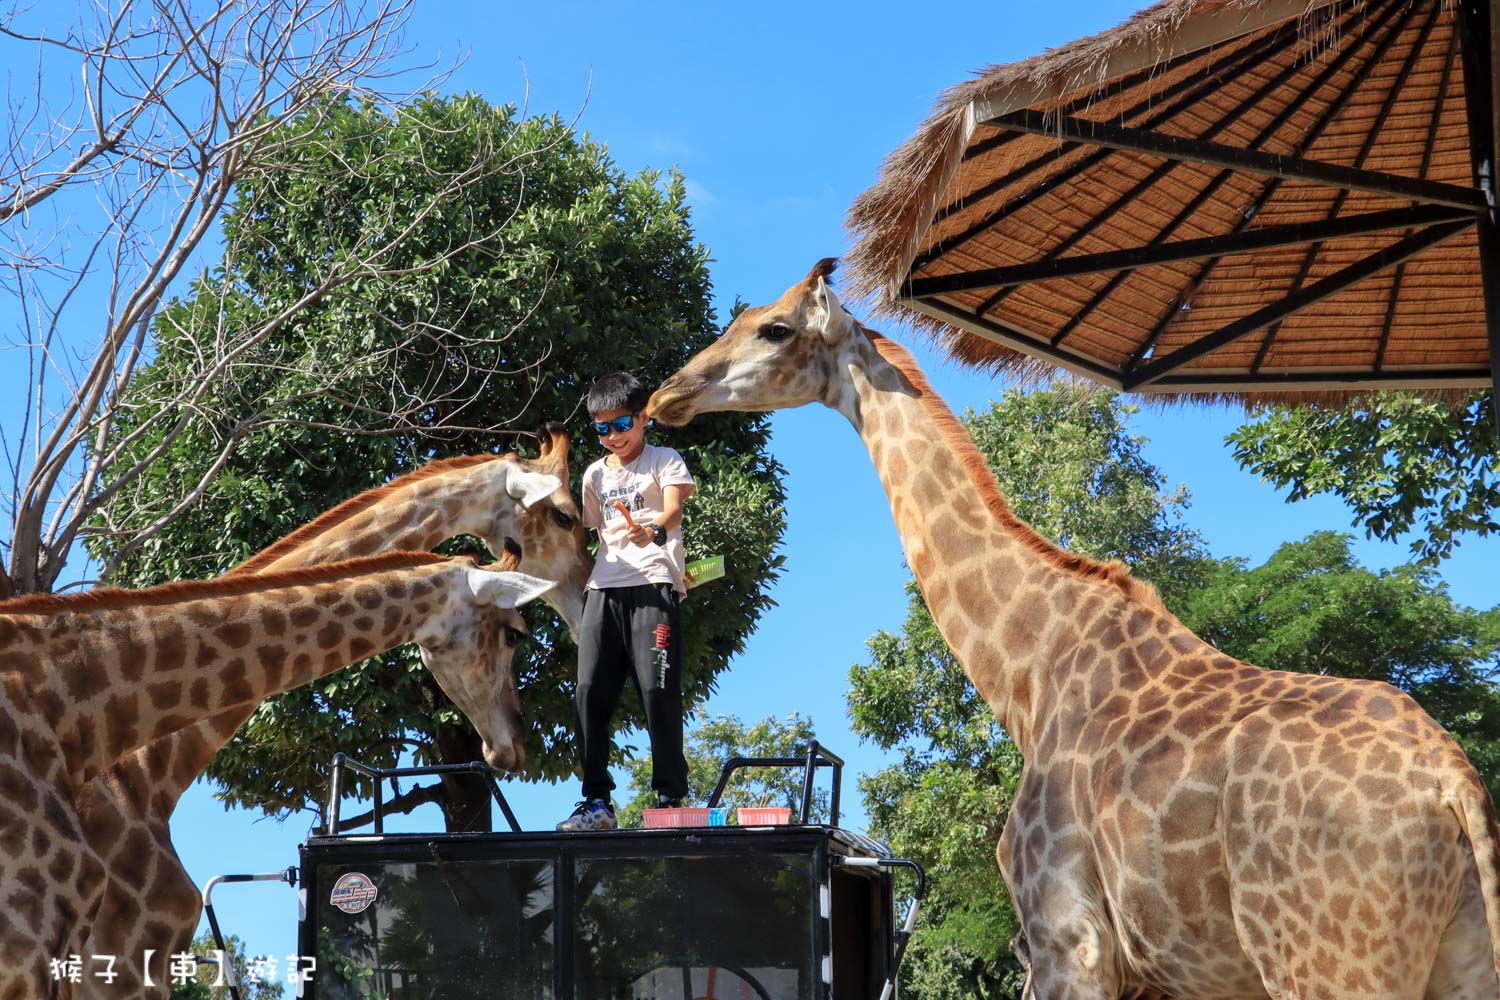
<point x="960" y="444"/>
<point x="112" y="598"/>
<point x="355" y="505"/>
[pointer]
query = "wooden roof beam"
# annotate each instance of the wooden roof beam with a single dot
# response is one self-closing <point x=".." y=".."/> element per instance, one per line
<point x="1246" y="241"/>
<point x="1477" y="41"/>
<point x="1173" y="147"/>
<point x="1162" y="107"/>
<point x="1412" y="55"/>
<point x="1297" y="301"/>
<point x="1333" y="381"/>
<point x="1386" y="21"/>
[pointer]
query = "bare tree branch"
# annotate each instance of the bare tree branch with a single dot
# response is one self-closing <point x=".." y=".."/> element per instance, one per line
<point x="110" y="194"/>
<point x="404" y="803"/>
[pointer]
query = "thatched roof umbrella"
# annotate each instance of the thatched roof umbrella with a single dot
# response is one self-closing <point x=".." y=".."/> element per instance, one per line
<point x="1241" y="198"/>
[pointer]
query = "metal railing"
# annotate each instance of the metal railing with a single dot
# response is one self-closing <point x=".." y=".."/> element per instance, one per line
<point x="378" y="775"/>
<point x="817" y="756"/>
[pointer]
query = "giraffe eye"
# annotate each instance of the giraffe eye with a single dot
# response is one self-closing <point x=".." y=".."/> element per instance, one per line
<point x="775" y="332"/>
<point x="513" y="636"/>
<point x="561" y="519"/>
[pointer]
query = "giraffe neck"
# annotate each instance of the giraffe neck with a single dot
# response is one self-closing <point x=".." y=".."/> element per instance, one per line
<point x="998" y="591"/>
<point x="413" y="513"/>
<point x="410" y="514"/>
<point x="113" y="679"/>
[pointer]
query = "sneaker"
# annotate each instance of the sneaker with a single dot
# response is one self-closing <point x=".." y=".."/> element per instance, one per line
<point x="664" y="802"/>
<point x="591" y="814"/>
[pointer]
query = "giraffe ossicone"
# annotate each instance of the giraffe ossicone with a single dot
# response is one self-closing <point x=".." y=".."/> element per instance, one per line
<point x="1185" y="824"/>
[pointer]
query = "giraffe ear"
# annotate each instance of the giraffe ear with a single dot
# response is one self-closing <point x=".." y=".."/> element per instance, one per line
<point x="529" y="487"/>
<point x="506" y="590"/>
<point x="826" y="309"/>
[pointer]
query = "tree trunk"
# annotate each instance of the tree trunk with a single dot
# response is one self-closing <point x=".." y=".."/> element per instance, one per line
<point x="465" y="799"/>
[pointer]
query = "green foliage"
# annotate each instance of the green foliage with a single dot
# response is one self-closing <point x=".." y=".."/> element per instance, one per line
<point x="1403" y="463"/>
<point x="715" y="739"/>
<point x="1313" y="609"/>
<point x="1066" y="462"/>
<point x="268" y="987"/>
<point x="570" y="267"/>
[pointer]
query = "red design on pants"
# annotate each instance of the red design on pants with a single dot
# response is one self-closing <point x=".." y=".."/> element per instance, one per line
<point x="663" y="635"/>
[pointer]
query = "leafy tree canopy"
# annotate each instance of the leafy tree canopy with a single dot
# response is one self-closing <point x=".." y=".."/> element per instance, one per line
<point x="267" y="983"/>
<point x="1402" y="462"/>
<point x="571" y="268"/>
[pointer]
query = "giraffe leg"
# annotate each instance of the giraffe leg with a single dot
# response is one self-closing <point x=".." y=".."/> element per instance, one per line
<point x="1071" y="959"/>
<point x="1022" y="951"/>
<point x="158" y="913"/>
<point x="1066" y="943"/>
<point x="1465" y="965"/>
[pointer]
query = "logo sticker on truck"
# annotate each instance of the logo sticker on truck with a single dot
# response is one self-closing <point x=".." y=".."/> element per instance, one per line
<point x="353" y="893"/>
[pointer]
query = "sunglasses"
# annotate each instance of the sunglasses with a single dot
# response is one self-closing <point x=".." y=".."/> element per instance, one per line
<point x="621" y="424"/>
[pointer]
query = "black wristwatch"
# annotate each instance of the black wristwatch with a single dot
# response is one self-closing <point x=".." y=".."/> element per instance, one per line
<point x="658" y="534"/>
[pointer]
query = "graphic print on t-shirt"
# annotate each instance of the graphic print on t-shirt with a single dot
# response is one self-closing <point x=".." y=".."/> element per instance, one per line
<point x="628" y="495"/>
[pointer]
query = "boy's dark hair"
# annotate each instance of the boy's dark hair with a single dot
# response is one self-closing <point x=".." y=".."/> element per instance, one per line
<point x="616" y="391"/>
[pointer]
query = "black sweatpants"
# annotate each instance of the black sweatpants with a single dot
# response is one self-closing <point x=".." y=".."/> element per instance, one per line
<point x="631" y="630"/>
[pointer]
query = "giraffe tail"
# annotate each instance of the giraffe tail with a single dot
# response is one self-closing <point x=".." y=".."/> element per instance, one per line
<point x="1476" y="814"/>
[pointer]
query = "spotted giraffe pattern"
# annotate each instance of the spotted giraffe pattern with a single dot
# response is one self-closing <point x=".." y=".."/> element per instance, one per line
<point x="521" y="509"/>
<point x="86" y="679"/>
<point x="1185" y="825"/>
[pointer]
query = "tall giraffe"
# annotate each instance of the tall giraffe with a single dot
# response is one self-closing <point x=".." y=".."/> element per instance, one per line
<point x="85" y="679"/>
<point x="521" y="509"/>
<point x="1185" y="823"/>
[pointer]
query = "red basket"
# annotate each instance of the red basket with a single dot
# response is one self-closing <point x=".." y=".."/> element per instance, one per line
<point x="764" y="816"/>
<point x="657" y="819"/>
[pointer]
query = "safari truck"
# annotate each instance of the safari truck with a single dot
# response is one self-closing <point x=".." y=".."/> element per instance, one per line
<point x="793" y="910"/>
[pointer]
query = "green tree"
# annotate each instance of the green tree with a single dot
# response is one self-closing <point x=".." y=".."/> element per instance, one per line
<point x="566" y="267"/>
<point x="1403" y="463"/>
<point x="1313" y="609"/>
<point x="1066" y="461"/>
<point x="266" y="986"/>
<point x="715" y="739"/>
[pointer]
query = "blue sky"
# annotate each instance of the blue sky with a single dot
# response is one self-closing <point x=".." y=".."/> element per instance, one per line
<point x="778" y="115"/>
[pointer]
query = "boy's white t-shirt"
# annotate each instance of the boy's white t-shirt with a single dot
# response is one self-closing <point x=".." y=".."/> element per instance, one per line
<point x="638" y="485"/>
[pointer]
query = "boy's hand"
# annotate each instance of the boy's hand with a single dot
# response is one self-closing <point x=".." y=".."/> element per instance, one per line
<point x="639" y="534"/>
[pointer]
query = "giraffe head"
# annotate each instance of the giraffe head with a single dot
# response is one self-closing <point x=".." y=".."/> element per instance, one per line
<point x="550" y="533"/>
<point x="773" y="357"/>
<point x="468" y="644"/>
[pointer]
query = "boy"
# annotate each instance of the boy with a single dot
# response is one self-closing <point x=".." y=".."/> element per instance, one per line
<point x="630" y="606"/>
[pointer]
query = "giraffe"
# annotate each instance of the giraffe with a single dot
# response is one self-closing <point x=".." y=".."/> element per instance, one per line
<point x="87" y="678"/>
<point x="1185" y="824"/>
<point x="522" y="511"/>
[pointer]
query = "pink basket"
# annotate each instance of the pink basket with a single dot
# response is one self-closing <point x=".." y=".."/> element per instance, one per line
<point x="658" y="819"/>
<point x="764" y="816"/>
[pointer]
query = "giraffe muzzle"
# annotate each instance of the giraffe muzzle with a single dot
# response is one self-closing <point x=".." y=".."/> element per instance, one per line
<point x="673" y="404"/>
<point x="508" y="758"/>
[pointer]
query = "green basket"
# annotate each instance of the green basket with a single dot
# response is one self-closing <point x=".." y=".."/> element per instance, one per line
<point x="702" y="570"/>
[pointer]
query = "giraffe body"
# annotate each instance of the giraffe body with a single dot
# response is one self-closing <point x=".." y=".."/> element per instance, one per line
<point x="1185" y="825"/>
<point x="522" y="511"/>
<point x="86" y="679"/>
